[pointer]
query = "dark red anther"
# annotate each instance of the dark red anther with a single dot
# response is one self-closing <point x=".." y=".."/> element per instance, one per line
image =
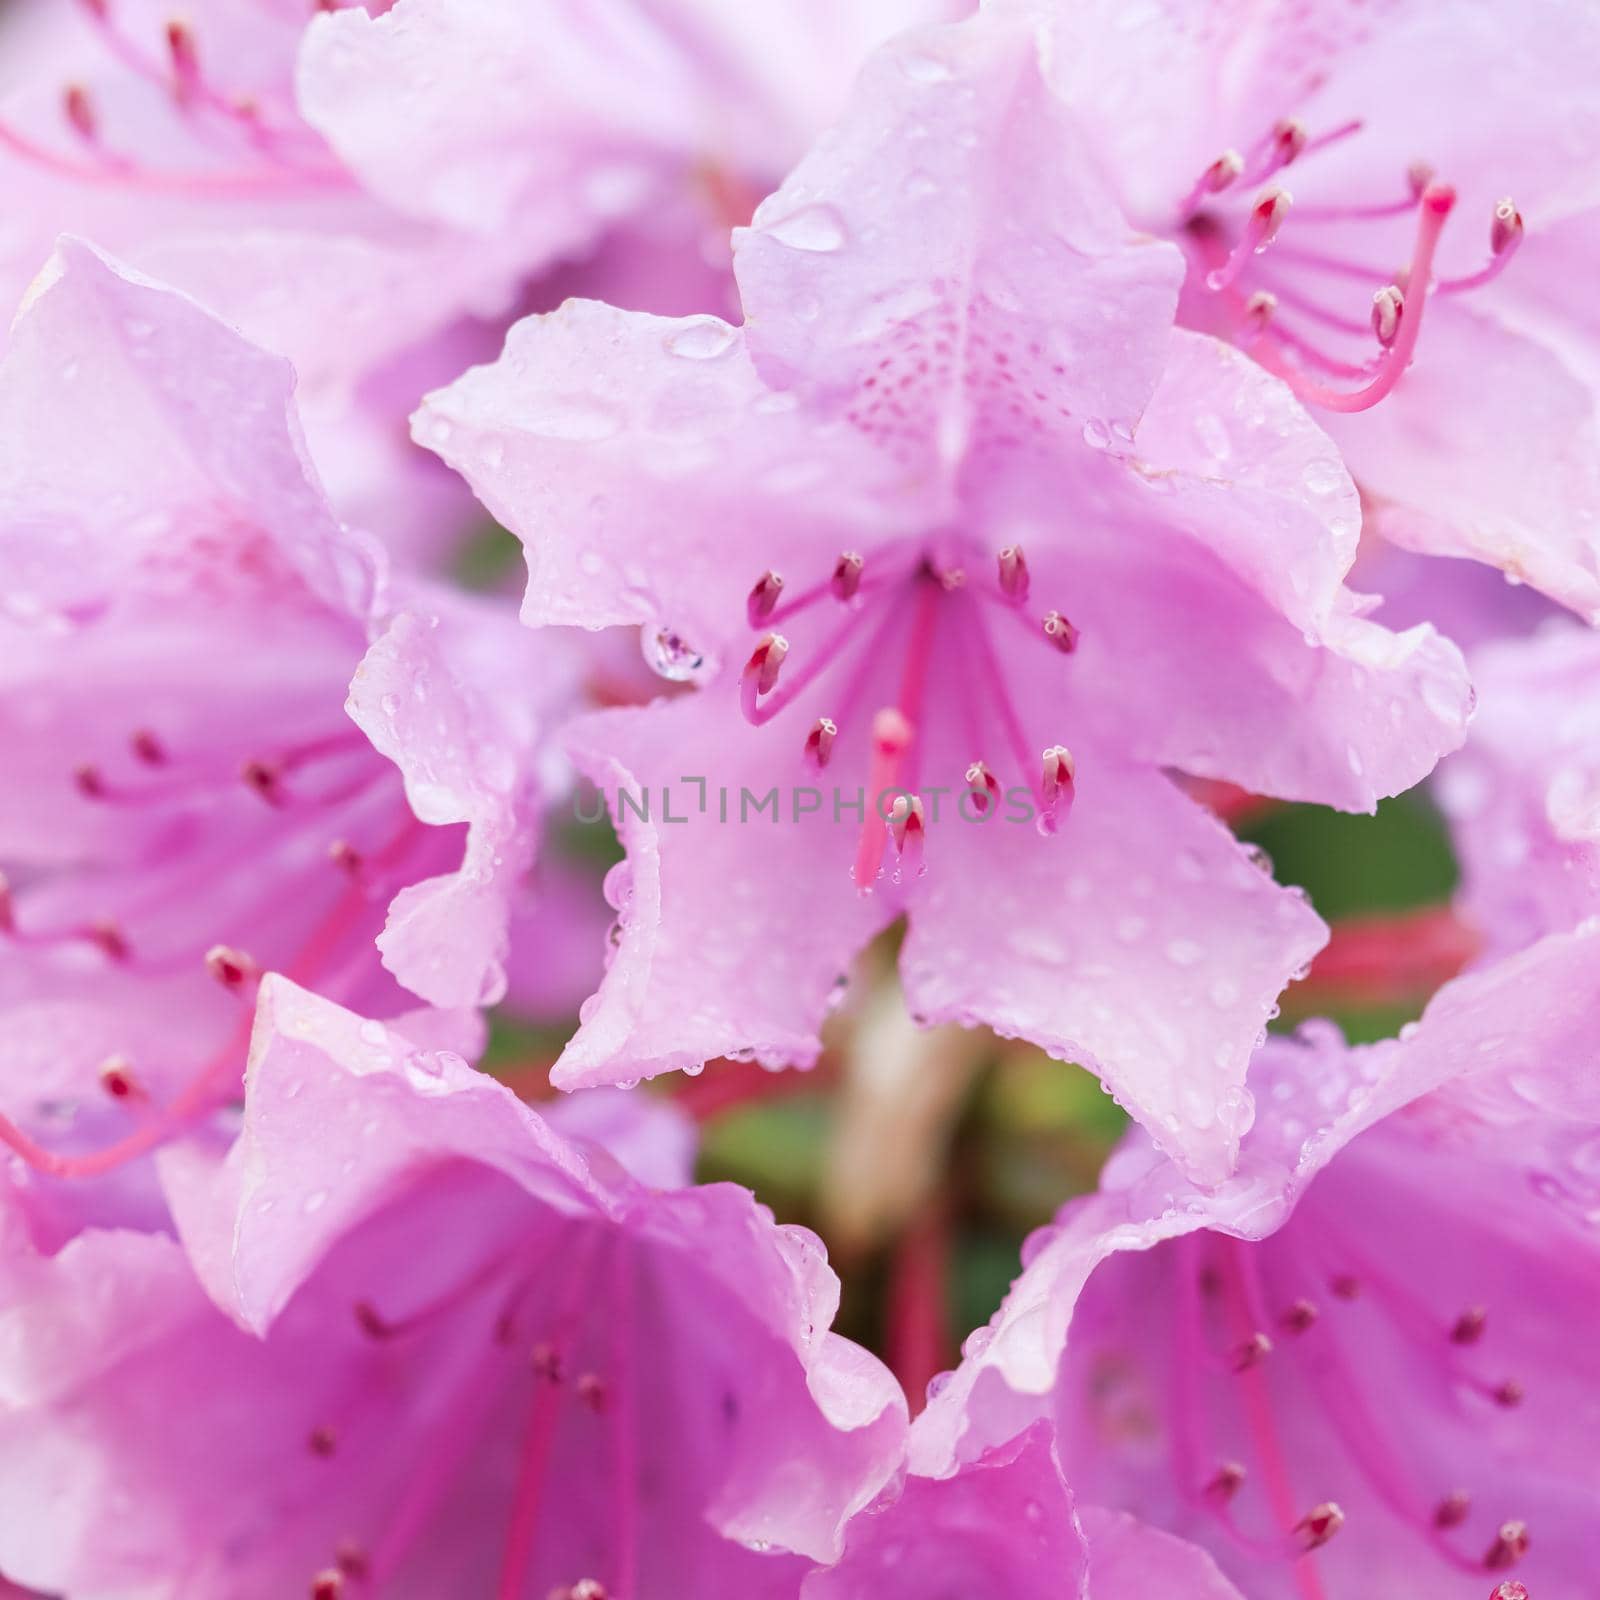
<point x="263" y="777"/>
<point x="233" y="969"/>
<point x="819" y="743"/>
<point x="118" y="1080"/>
<point x="1298" y="1318"/>
<point x="147" y="747"/>
<point x="106" y="933"/>
<point x="847" y="575"/>
<point x="984" y="788"/>
<point x="1060" y="632"/>
<point x="79" y="110"/>
<point x="764" y="597"/>
<point x="1453" y="1510"/>
<point x="369" y="1321"/>
<point x="1509" y="1394"/>
<point x="1469" y="1326"/>
<point x="1509" y="1547"/>
<point x="1318" y="1526"/>
<point x="184" y="55"/>
<point x="328" y="1585"/>
<point x="90" y="784"/>
<point x="1226" y="1481"/>
<point x="345" y="856"/>
<point x="1014" y="579"/>
<point x="1251" y="1353"/>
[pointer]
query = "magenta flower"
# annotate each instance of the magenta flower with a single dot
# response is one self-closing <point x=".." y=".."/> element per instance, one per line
<point x="956" y="533"/>
<point x="1355" y="1365"/>
<point x="482" y="1358"/>
<point x="1523" y="796"/>
<point x="1005" y="1525"/>
<point x="1349" y="191"/>
<point x="211" y="773"/>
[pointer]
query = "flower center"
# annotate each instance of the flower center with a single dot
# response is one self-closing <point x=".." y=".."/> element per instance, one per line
<point x="915" y="607"/>
<point x="569" y="1364"/>
<point x="1286" y="303"/>
<point x="331" y="783"/>
<point x="247" y="144"/>
<point x="1236" y="1333"/>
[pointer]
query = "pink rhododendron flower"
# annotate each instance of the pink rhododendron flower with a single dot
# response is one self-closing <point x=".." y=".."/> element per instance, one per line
<point x="539" y="127"/>
<point x="1005" y="1524"/>
<point x="211" y="771"/>
<point x="1351" y="188"/>
<point x="1523" y="797"/>
<point x="474" y="1356"/>
<point x="1353" y="1367"/>
<point x="955" y="495"/>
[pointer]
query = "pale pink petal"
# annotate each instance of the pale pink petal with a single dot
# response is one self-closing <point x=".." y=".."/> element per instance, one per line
<point x="1155" y="969"/>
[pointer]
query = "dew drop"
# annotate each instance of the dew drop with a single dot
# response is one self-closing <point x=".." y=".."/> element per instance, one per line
<point x="816" y="228"/>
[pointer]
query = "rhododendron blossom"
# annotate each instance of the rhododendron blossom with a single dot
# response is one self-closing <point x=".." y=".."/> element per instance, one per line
<point x="581" y="1379"/>
<point x="1352" y="190"/>
<point x="992" y="507"/>
<point x="1343" y="1367"/>
<point x="212" y="773"/>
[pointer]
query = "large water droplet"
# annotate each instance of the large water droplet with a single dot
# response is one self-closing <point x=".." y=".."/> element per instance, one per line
<point x="700" y="339"/>
<point x="818" y="228"/>
<point x="670" y="655"/>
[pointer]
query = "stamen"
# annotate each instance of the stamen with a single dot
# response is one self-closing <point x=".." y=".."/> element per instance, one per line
<point x="764" y="598"/>
<point x="1227" y="1482"/>
<point x="1509" y="1394"/>
<point x="1219" y="175"/>
<point x="1251" y="1353"/>
<point x="345" y="856"/>
<point x="891" y="739"/>
<point x="983" y="786"/>
<point x="91" y="785"/>
<point x="1057" y="786"/>
<point x="147" y="747"/>
<point x="185" y="58"/>
<point x="1259" y="310"/>
<point x="1469" y="1325"/>
<point x="1266" y="217"/>
<point x="545" y="1360"/>
<point x="1014" y="582"/>
<point x="328" y="1584"/>
<point x="1437" y="203"/>
<point x="323" y="1441"/>
<point x="80" y="112"/>
<point x="118" y="1080"/>
<point x="591" y="1390"/>
<point x="819" y="743"/>
<point x="1388" y="306"/>
<point x="1505" y="235"/>
<point x="1318" y="1526"/>
<point x="760" y="673"/>
<point x="1298" y="1318"/>
<point x="233" y="969"/>
<point x="106" y="933"/>
<point x="1453" y="1510"/>
<point x="1060" y="632"/>
<point x="1509" y="1547"/>
<point x="847" y="575"/>
<point x="264" y="778"/>
<point x="908" y="828"/>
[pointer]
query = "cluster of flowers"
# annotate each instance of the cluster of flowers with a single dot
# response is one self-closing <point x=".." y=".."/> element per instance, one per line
<point x="1016" y="449"/>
